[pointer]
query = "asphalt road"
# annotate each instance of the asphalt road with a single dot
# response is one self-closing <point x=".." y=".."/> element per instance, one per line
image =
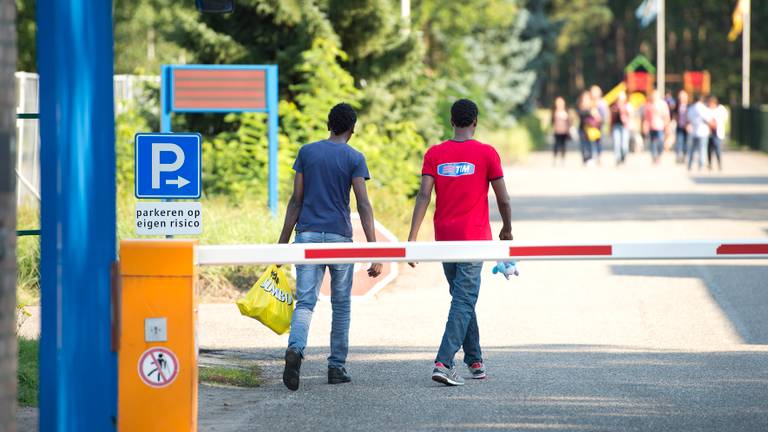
<point x="605" y="346"/>
<point x="596" y="346"/>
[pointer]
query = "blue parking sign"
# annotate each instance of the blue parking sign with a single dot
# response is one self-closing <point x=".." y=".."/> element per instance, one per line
<point x="168" y="165"/>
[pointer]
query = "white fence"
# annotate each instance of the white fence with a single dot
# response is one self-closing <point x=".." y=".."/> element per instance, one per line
<point x="126" y="87"/>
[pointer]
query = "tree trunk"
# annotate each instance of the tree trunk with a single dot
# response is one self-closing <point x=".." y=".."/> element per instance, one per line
<point x="621" y="52"/>
<point x="578" y="70"/>
<point x="8" y="349"/>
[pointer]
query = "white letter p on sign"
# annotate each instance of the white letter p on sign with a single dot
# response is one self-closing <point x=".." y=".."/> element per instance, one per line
<point x="157" y="167"/>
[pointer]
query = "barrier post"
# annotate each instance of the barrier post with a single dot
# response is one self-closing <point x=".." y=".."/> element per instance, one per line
<point x="157" y="352"/>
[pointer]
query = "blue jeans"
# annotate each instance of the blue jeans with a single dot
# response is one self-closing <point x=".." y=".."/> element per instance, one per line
<point x="586" y="146"/>
<point x="308" y="280"/>
<point x="715" y="146"/>
<point x="681" y="144"/>
<point x="620" y="142"/>
<point x="657" y="144"/>
<point x="698" y="145"/>
<point x="461" y="329"/>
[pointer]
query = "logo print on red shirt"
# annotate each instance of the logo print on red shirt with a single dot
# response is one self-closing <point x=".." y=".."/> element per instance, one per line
<point x="455" y="169"/>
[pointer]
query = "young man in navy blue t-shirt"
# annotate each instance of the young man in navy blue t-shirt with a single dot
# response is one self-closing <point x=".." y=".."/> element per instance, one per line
<point x="326" y="171"/>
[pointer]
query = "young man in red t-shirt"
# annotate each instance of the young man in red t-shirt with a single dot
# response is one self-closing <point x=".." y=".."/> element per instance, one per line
<point x="460" y="171"/>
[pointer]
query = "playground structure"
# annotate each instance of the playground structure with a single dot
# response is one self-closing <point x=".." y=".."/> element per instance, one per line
<point x="640" y="77"/>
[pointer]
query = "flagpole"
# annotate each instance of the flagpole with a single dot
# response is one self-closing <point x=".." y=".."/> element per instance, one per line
<point x="660" y="49"/>
<point x="745" y="54"/>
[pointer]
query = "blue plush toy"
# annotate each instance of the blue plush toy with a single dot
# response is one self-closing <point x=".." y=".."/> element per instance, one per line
<point x="507" y="268"/>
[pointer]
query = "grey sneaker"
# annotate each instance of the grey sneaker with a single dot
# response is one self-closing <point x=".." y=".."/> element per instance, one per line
<point x="446" y="376"/>
<point x="477" y="369"/>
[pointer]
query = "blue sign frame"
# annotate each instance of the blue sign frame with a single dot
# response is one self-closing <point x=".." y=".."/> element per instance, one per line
<point x="271" y="71"/>
<point x="191" y="170"/>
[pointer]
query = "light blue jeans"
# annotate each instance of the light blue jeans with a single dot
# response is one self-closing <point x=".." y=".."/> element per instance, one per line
<point x="620" y="142"/>
<point x="461" y="330"/>
<point x="656" y="138"/>
<point x="308" y="281"/>
<point x="698" y="147"/>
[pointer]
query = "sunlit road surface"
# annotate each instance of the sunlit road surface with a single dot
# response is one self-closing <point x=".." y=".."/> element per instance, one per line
<point x="598" y="345"/>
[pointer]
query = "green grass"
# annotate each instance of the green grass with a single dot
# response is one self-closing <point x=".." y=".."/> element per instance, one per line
<point x="235" y="376"/>
<point x="28" y="376"/>
<point x="28" y="257"/>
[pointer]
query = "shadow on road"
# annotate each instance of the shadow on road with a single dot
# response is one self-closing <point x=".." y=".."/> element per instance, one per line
<point x="741" y="291"/>
<point x="530" y="388"/>
<point x="731" y="180"/>
<point x="640" y="206"/>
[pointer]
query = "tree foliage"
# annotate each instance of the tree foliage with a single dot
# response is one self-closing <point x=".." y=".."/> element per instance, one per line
<point x="599" y="37"/>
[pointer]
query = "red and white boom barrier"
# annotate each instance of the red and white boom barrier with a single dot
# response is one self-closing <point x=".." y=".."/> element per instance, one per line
<point x="340" y="253"/>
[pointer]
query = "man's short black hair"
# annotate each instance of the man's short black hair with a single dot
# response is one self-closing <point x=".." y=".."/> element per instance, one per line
<point x="342" y="118"/>
<point x="463" y="113"/>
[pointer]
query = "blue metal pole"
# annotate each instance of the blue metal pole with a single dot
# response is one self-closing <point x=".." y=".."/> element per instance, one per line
<point x="78" y="370"/>
<point x="165" y="94"/>
<point x="166" y="87"/>
<point x="273" y="129"/>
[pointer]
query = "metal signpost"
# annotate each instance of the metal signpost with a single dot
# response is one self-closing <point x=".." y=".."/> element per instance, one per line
<point x="224" y="89"/>
<point x="168" y="167"/>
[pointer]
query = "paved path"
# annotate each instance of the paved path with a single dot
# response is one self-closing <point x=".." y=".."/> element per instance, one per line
<point x="570" y="346"/>
<point x="605" y="346"/>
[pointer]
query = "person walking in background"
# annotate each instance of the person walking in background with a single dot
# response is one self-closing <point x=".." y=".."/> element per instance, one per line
<point x="680" y="114"/>
<point x="561" y="126"/>
<point x="717" y="132"/>
<point x="589" y="120"/>
<point x="602" y="109"/>
<point x="460" y="171"/>
<point x="319" y="209"/>
<point x="655" y="122"/>
<point x="620" y="116"/>
<point x="699" y="118"/>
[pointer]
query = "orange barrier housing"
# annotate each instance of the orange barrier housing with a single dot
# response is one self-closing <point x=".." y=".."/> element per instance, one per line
<point x="157" y="352"/>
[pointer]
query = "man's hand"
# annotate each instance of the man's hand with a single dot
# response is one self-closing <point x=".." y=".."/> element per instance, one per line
<point x="374" y="270"/>
<point x="505" y="234"/>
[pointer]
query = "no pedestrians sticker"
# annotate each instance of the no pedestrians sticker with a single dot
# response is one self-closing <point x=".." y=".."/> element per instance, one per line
<point x="158" y="367"/>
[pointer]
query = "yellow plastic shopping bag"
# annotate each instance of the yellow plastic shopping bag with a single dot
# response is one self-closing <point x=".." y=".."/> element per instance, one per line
<point x="270" y="301"/>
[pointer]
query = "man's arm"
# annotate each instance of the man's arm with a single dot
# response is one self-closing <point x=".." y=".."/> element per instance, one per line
<point x="294" y="208"/>
<point x="423" y="197"/>
<point x="505" y="209"/>
<point x="365" y="209"/>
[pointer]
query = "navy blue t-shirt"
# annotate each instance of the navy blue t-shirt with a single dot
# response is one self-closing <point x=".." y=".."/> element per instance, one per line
<point x="328" y="170"/>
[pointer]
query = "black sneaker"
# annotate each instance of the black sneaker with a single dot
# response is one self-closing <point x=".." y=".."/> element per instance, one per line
<point x="338" y="375"/>
<point x="292" y="368"/>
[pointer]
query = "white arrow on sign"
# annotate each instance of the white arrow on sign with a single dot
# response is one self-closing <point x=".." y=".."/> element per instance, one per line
<point x="179" y="182"/>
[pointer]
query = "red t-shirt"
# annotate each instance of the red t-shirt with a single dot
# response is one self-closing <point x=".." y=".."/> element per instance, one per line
<point x="462" y="172"/>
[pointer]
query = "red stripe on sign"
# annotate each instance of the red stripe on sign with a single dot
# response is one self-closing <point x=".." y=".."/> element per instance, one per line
<point x="206" y="103"/>
<point x="355" y="253"/>
<point x="219" y="94"/>
<point x="560" y="250"/>
<point x="742" y="249"/>
<point x="218" y="74"/>
<point x="218" y="84"/>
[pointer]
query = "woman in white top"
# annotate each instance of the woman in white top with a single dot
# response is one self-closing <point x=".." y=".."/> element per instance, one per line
<point x="699" y="117"/>
<point x="717" y="135"/>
